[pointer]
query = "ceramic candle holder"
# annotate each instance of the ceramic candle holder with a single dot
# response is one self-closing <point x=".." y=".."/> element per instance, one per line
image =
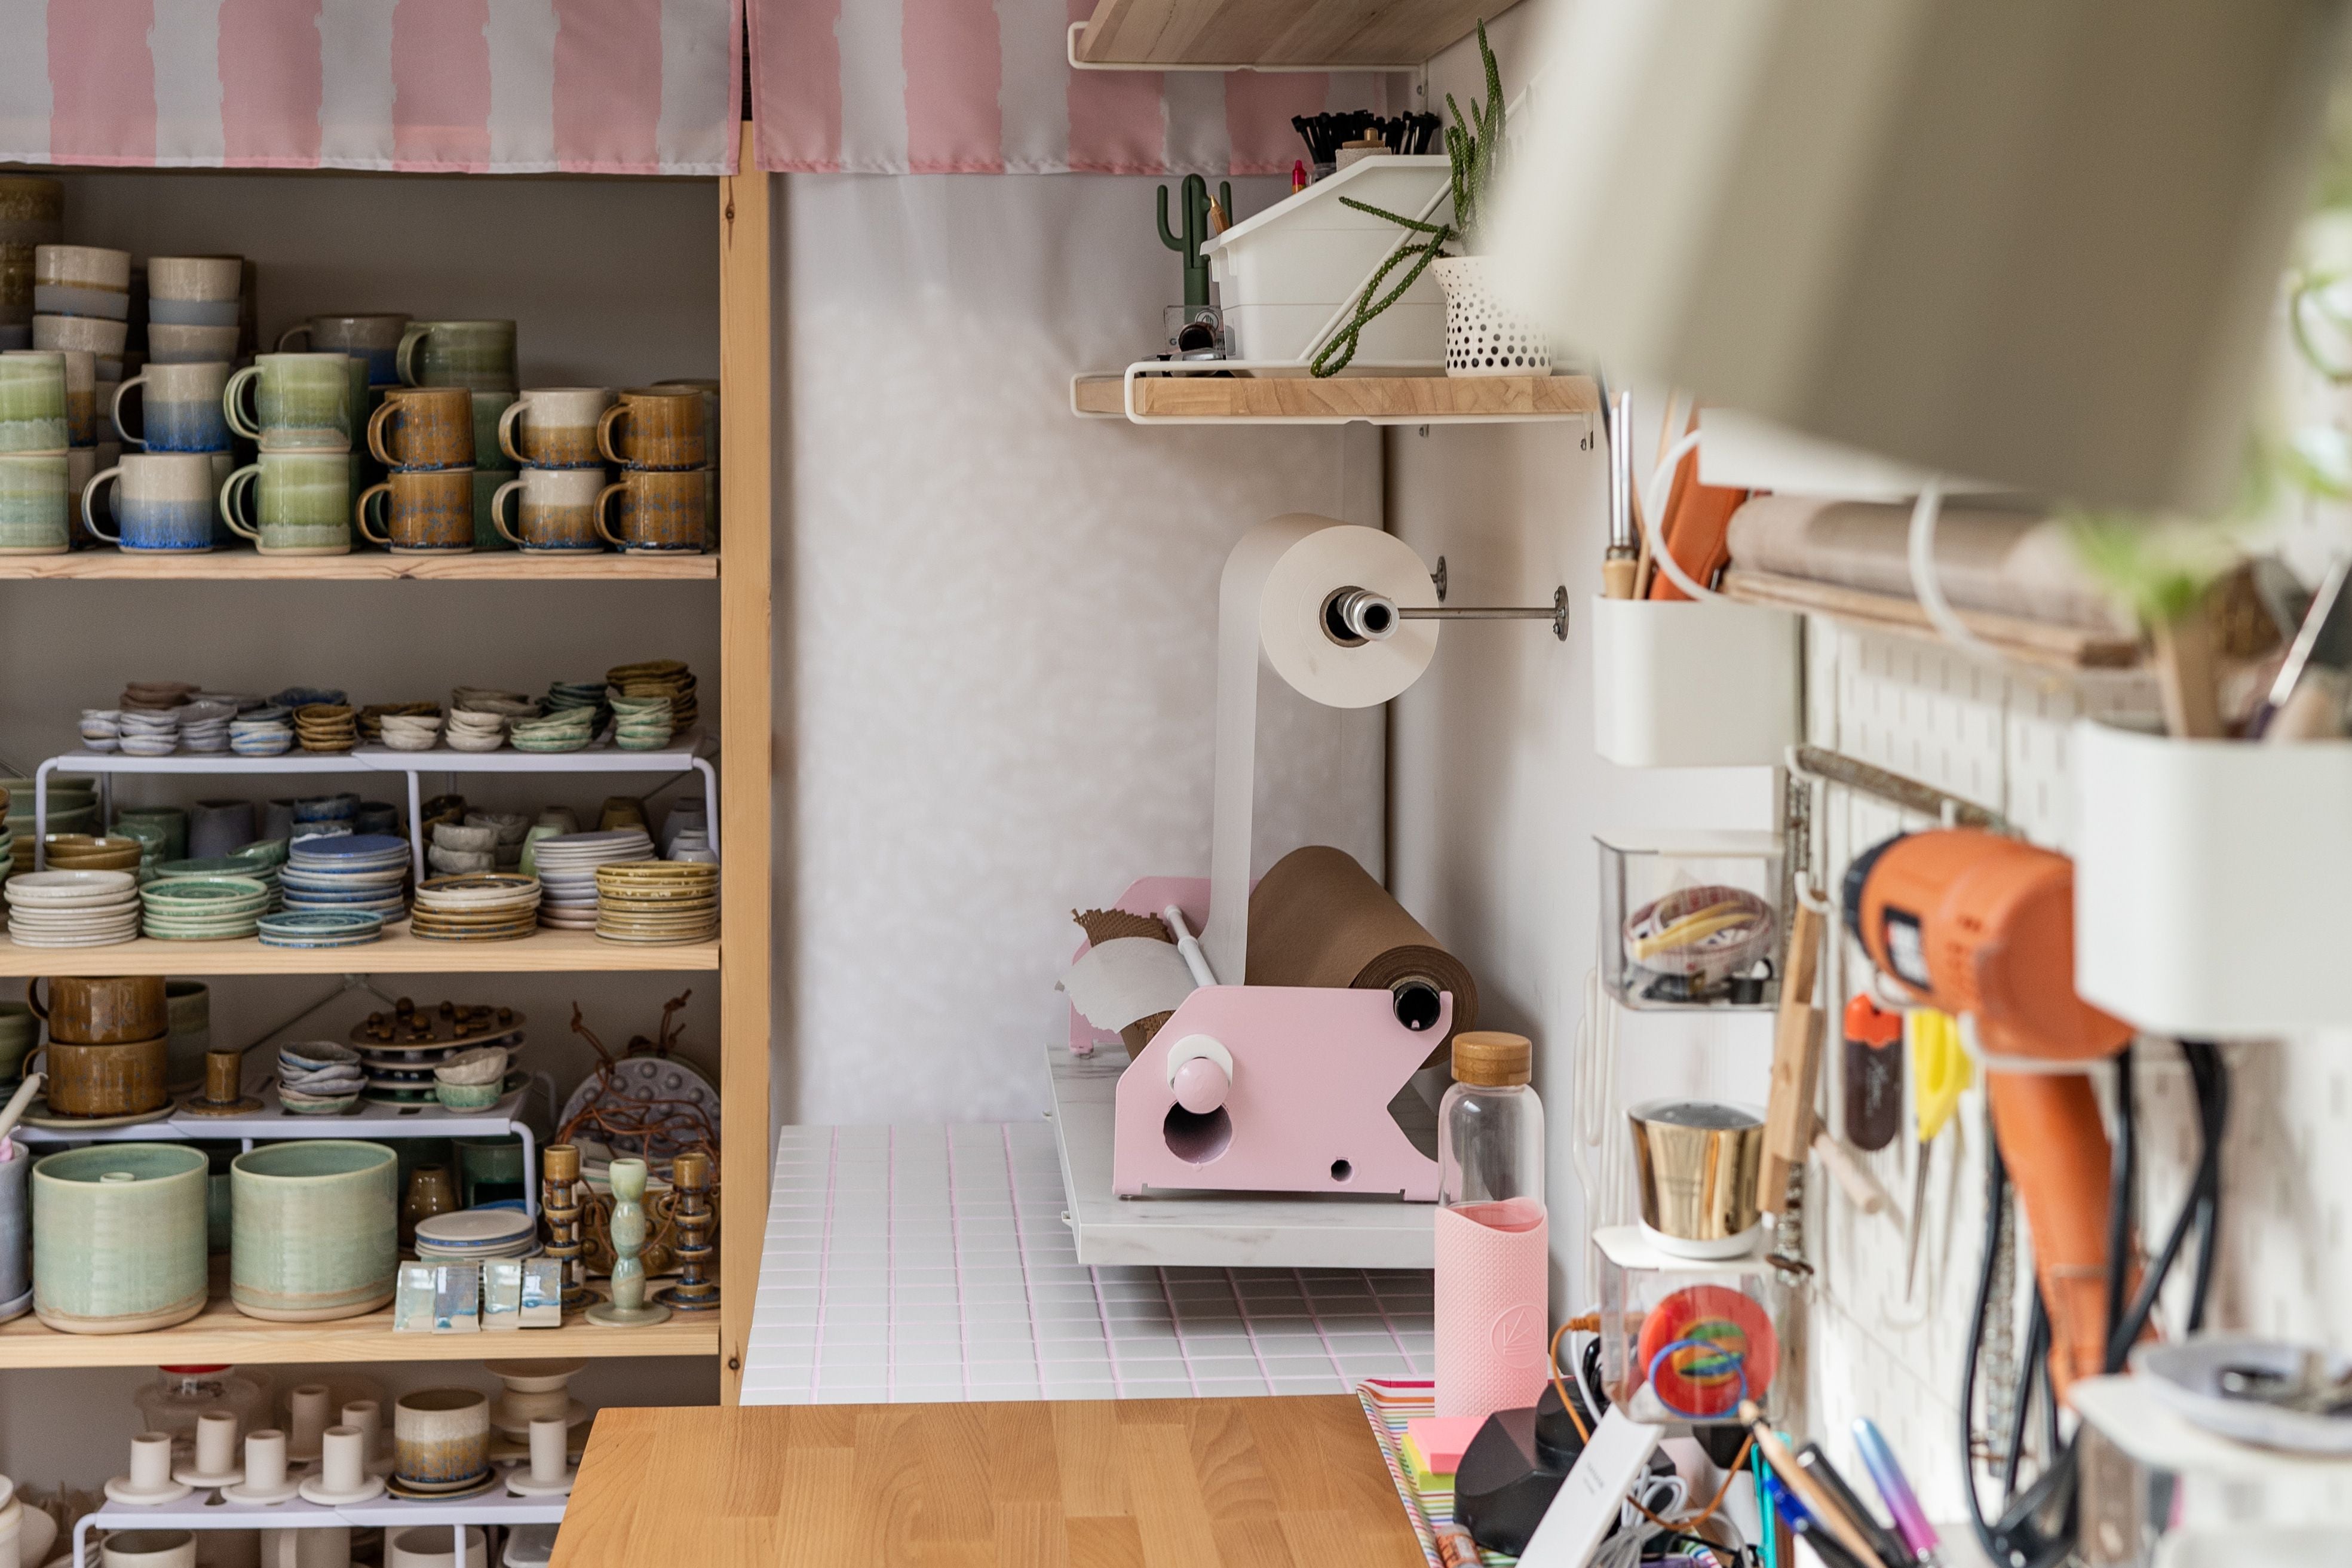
<point x="550" y="1474"/>
<point x="264" y="1470"/>
<point x="119" y="1238"/>
<point x="368" y="1416"/>
<point x="342" y="1477"/>
<point x="216" y="1458"/>
<point x="308" y="1407"/>
<point x="312" y="1229"/>
<point x="149" y="1483"/>
<point x="441" y="1437"/>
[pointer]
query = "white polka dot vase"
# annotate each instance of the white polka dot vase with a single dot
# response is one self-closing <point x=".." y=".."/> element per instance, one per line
<point x="1482" y="336"/>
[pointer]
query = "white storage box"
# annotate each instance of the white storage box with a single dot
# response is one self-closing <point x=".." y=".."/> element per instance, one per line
<point x="2209" y="880"/>
<point x="1284" y="275"/>
<point x="1677" y="684"/>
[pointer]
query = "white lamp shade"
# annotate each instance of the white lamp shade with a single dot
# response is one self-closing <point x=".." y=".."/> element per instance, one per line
<point x="2031" y="240"/>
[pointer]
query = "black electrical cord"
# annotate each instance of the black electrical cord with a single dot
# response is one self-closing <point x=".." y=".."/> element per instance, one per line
<point x="1996" y="1199"/>
<point x="2123" y="1181"/>
<point x="2037" y="1346"/>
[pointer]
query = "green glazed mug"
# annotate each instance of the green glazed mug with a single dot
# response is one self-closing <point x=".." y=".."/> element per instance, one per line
<point x="302" y="402"/>
<point x="36" y="505"/>
<point x="300" y="503"/>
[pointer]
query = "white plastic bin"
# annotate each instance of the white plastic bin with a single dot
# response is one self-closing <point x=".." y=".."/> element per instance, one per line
<point x="1681" y="684"/>
<point x="2209" y="882"/>
<point x="1283" y="275"/>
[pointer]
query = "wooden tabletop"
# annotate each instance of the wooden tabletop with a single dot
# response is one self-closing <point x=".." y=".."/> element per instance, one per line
<point x="1129" y="1483"/>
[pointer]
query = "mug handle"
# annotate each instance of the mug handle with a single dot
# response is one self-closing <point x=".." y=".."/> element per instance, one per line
<point x="602" y="520"/>
<point x="377" y="421"/>
<point x="115" y="412"/>
<point x="229" y="401"/>
<point x="299" y="329"/>
<point x="496" y="520"/>
<point x="605" y="433"/>
<point x="512" y="412"/>
<point x="33" y="1001"/>
<point x="90" y="494"/>
<point x="360" y="513"/>
<point x="404" y="358"/>
<point x="251" y="474"/>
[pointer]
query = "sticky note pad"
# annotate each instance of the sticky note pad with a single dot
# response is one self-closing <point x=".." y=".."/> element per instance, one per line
<point x="1442" y="1439"/>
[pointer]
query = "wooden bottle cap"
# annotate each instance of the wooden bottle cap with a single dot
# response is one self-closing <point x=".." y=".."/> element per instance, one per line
<point x="1491" y="1059"/>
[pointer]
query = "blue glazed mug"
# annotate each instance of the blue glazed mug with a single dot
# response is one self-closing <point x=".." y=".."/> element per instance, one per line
<point x="180" y="410"/>
<point x="163" y="501"/>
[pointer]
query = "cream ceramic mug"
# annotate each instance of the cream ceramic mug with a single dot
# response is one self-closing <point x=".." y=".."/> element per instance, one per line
<point x="555" y="427"/>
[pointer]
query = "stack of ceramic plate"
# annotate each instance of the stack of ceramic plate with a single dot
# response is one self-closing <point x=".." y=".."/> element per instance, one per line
<point x="263" y="732"/>
<point x="205" y="908"/>
<point x="656" y="902"/>
<point x="486" y="906"/>
<point x="320" y="928"/>
<point x="363" y="872"/>
<point x="399" y="1050"/>
<point x="477" y="1235"/>
<point x="641" y="724"/>
<point x="85" y="852"/>
<point x="562" y="696"/>
<point x="570" y="730"/>
<point x="659" y="677"/>
<point x="259" y="868"/>
<point x="326" y="727"/>
<point x="318" y="1077"/>
<point x="203" y="727"/>
<point x="567" y="866"/>
<point x="73" y="909"/>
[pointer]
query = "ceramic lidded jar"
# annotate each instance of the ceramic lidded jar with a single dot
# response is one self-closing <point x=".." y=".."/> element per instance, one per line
<point x="311" y="1230"/>
<point x="119" y="1238"/>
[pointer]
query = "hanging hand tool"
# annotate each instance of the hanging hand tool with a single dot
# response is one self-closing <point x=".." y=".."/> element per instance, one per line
<point x="1940" y="1072"/>
<point x="1873" y="1074"/>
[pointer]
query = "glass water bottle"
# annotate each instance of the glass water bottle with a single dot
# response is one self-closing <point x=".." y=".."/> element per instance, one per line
<point x="1493" y="1261"/>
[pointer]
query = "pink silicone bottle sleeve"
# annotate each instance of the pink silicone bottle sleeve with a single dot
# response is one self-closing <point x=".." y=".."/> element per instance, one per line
<point x="1491" y="1292"/>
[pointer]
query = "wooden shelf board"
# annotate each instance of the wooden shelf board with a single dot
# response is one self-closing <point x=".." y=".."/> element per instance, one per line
<point x="398" y="952"/>
<point x="222" y="1334"/>
<point x="2038" y="642"/>
<point x="1340" y="400"/>
<point x="1299" y="33"/>
<point x="368" y="566"/>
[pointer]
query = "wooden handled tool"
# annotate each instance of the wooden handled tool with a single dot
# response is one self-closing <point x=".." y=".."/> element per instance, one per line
<point x="1796" y="1064"/>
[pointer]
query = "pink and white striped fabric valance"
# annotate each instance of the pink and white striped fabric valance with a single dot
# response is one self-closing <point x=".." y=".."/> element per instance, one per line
<point x="984" y="86"/>
<point x="613" y="87"/>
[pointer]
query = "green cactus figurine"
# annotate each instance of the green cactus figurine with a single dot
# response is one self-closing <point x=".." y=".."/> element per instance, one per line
<point x="1196" y="232"/>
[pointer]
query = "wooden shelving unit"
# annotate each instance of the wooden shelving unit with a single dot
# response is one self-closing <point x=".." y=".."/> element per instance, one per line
<point x="1435" y="398"/>
<point x="395" y="953"/>
<point x="2038" y="643"/>
<point x="1285" y="34"/>
<point x="369" y="566"/>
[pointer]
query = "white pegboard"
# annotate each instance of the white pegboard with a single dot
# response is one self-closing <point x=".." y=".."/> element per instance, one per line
<point x="1998" y="738"/>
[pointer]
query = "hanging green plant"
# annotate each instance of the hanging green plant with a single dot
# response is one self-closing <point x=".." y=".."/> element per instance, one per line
<point x="1474" y="149"/>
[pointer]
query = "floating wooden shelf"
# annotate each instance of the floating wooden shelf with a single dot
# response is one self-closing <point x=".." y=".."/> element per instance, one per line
<point x="221" y="1333"/>
<point x="1340" y="399"/>
<point x="397" y="952"/>
<point x="1294" y="35"/>
<point x="2038" y="643"/>
<point x="370" y="566"/>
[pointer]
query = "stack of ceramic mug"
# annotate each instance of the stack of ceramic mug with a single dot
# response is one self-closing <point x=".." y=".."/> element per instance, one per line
<point x="479" y="357"/>
<point x="659" y="436"/>
<point x="32" y="214"/>
<point x="81" y="299"/>
<point x="109" y="1046"/>
<point x="195" y="309"/>
<point x="34" y="425"/>
<point x="296" y="498"/>
<point x="709" y="390"/>
<point x="178" y="445"/>
<point x="551" y="432"/>
<point x="425" y="438"/>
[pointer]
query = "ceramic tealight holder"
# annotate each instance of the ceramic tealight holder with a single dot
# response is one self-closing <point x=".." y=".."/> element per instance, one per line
<point x="342" y="1479"/>
<point x="265" y="1480"/>
<point x="308" y="1406"/>
<point x="215" y="1461"/>
<point x="550" y="1475"/>
<point x="149" y="1483"/>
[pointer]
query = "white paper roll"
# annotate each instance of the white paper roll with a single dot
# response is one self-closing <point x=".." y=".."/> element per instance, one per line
<point x="1271" y="601"/>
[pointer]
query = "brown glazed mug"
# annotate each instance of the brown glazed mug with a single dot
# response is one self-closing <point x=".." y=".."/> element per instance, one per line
<point x="122" y="1080"/>
<point x="431" y="511"/>
<point x="422" y="427"/>
<point x="659" y="510"/>
<point x="105" y="1010"/>
<point x="655" y="427"/>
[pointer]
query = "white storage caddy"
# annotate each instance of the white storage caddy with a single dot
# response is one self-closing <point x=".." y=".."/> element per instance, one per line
<point x="2209" y="880"/>
<point x="1683" y="683"/>
<point x="1287" y="278"/>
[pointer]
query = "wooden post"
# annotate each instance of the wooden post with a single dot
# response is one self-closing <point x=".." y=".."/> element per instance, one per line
<point x="747" y="736"/>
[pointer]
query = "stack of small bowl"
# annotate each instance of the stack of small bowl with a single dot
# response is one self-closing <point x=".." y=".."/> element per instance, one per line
<point x="570" y="729"/>
<point x="73" y="909"/>
<point x="150" y="732"/>
<point x="567" y="865"/>
<point x="508" y="830"/>
<point x="657" y="902"/>
<point x="205" y="908"/>
<point x="266" y="731"/>
<point x="326" y="727"/>
<point x="565" y="694"/>
<point x="659" y="677"/>
<point x="101" y="729"/>
<point x="371" y="717"/>
<point x="363" y="872"/>
<point x="318" y="1077"/>
<point x="73" y="809"/>
<point x="461" y="850"/>
<point x="411" y="732"/>
<point x="482" y="906"/>
<point x="641" y="723"/>
<point x="84" y="851"/>
<point x="472" y="1080"/>
<point x="204" y="726"/>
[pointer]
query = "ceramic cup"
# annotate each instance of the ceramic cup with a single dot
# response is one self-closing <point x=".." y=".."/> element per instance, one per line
<point x="33" y="416"/>
<point x="433" y="1546"/>
<point x="148" y="1549"/>
<point x="653" y="509"/>
<point x="36" y="505"/>
<point x="302" y="402"/>
<point x="440" y="1436"/>
<point x="292" y="503"/>
<point x="101" y="1009"/>
<point x="205" y="278"/>
<point x="118" y="1237"/>
<point x="477" y="355"/>
<point x="81" y="393"/>
<point x="655" y="427"/>
<point x="170" y="345"/>
<point x="422" y="427"/>
<point x="554" y="509"/>
<point x="180" y="409"/>
<point x="430" y="511"/>
<point x="555" y="427"/>
<point x="376" y="338"/>
<point x="81" y="280"/>
<point x="311" y="1232"/>
<point x="94" y="334"/>
<point x="106" y="1080"/>
<point x="163" y="501"/>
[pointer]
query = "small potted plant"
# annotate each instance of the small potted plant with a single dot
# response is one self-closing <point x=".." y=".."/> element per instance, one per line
<point x="1483" y="337"/>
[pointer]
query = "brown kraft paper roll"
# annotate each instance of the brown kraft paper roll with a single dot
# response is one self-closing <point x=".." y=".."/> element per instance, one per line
<point x="1318" y="918"/>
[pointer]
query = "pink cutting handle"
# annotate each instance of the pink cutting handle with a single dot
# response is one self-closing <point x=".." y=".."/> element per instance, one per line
<point x="1492" y="1274"/>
